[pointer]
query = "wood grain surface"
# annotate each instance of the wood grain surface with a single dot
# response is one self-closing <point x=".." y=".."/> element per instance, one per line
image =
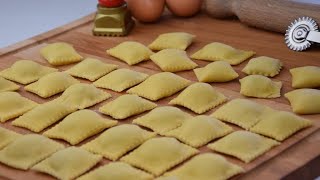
<point x="292" y="154"/>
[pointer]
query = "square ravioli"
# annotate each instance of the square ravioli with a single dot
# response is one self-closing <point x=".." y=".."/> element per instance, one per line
<point x="159" y="86"/>
<point x="126" y="105"/>
<point x="60" y="53"/>
<point x="280" y="125"/>
<point x="26" y="71"/>
<point x="263" y="65"/>
<point x="163" y="119"/>
<point x="13" y="105"/>
<point x="28" y="150"/>
<point x="68" y="163"/>
<point x="158" y="155"/>
<point x="199" y="97"/>
<point x="117" y="171"/>
<point x="91" y="69"/>
<point x="204" y="167"/>
<point x="43" y="116"/>
<point x="305" y="77"/>
<point x="7" y="136"/>
<point x="260" y="87"/>
<point x="79" y="126"/>
<point x="6" y="85"/>
<point x="241" y="112"/>
<point x="117" y="141"/>
<point x="131" y="52"/>
<point x="82" y="96"/>
<point x="304" y="101"/>
<point x="173" y="60"/>
<point x="51" y="84"/>
<point x="222" y="52"/>
<point x="219" y="71"/>
<point x="120" y="80"/>
<point x="243" y="145"/>
<point x="173" y="40"/>
<point x="200" y="130"/>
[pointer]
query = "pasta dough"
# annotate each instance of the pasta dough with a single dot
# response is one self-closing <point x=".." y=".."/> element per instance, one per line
<point x="263" y="65"/>
<point x="200" y="130"/>
<point x="305" y="77"/>
<point x="260" y="87"/>
<point x="117" y="141"/>
<point x="26" y="71"/>
<point x="163" y="119"/>
<point x="7" y="137"/>
<point x="280" y="125"/>
<point x="173" y="60"/>
<point x="199" y="97"/>
<point x="91" y="69"/>
<point x="204" y="167"/>
<point x="78" y="126"/>
<point x="27" y="150"/>
<point x="174" y="40"/>
<point x="60" y="53"/>
<point x="157" y="155"/>
<point x="6" y="85"/>
<point x="51" y="84"/>
<point x="219" y="71"/>
<point x="159" y="86"/>
<point x="126" y="105"/>
<point x="68" y="163"/>
<point x="13" y="105"/>
<point x="222" y="52"/>
<point x="304" y="101"/>
<point x="243" y="145"/>
<point x="120" y="79"/>
<point x="131" y="52"/>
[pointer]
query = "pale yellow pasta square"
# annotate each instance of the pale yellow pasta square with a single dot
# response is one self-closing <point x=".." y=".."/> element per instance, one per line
<point x="243" y="145"/>
<point x="304" y="101"/>
<point x="222" y="52"/>
<point x="60" y="53"/>
<point x="79" y="126"/>
<point x="199" y="97"/>
<point x="26" y="71"/>
<point x="120" y="80"/>
<point x="117" y="171"/>
<point x="6" y="85"/>
<point x="305" y="77"/>
<point x="219" y="71"/>
<point x="43" y="116"/>
<point x="126" y="105"/>
<point x="51" y="84"/>
<point x="163" y="119"/>
<point x="28" y="150"/>
<point x="13" y="105"/>
<point x="159" y="86"/>
<point x="117" y="141"/>
<point x="173" y="60"/>
<point x="206" y="166"/>
<point x="263" y="65"/>
<point x="82" y="96"/>
<point x="241" y="112"/>
<point x="7" y="137"/>
<point x="173" y="40"/>
<point x="91" y="69"/>
<point x="280" y="125"/>
<point x="68" y="163"/>
<point x="131" y="52"/>
<point x="260" y="87"/>
<point x="158" y="155"/>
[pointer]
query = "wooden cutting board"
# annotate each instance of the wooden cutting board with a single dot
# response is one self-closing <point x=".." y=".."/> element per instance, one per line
<point x="292" y="154"/>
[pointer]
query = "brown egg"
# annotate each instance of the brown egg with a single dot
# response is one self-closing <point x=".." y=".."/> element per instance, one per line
<point x="184" y="8"/>
<point x="146" y="10"/>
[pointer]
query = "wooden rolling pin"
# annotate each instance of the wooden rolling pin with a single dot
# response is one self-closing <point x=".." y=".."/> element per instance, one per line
<point x="273" y="15"/>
